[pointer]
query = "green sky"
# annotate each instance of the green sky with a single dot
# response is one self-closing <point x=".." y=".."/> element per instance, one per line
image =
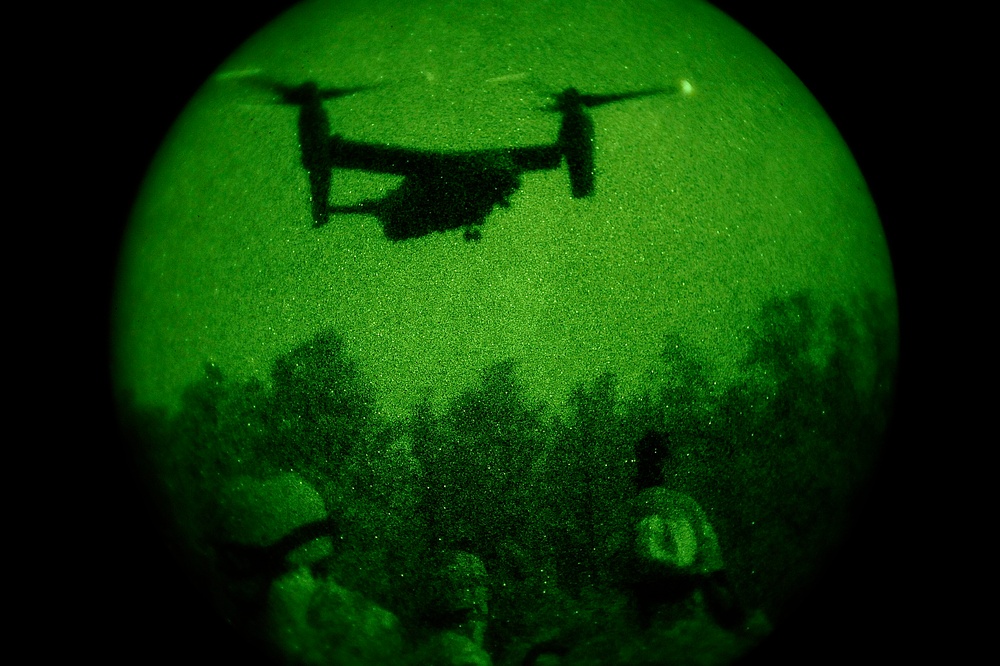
<point x="707" y="203"/>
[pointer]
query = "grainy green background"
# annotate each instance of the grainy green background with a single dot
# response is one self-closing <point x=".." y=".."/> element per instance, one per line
<point x="862" y="67"/>
<point x="706" y="204"/>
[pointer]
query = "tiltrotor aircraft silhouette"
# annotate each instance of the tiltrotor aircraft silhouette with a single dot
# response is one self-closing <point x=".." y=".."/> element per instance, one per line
<point x="440" y="190"/>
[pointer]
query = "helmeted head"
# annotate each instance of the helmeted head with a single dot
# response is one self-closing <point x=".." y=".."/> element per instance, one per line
<point x="672" y="532"/>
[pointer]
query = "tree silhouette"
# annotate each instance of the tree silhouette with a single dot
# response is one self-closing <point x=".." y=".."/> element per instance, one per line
<point x="772" y="455"/>
<point x="320" y="409"/>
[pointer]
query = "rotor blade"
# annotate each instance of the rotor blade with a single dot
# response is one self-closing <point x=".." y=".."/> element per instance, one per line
<point x="598" y="100"/>
<point x="290" y="94"/>
<point x="263" y="83"/>
<point x="333" y="93"/>
<point x="309" y="92"/>
<point x="253" y="78"/>
<point x="571" y="99"/>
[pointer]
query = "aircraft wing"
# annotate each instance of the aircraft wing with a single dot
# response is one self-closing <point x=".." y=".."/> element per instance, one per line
<point x="378" y="158"/>
<point x="534" y="158"/>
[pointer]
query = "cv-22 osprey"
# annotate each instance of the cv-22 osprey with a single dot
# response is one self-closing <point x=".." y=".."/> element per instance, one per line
<point x="440" y="190"/>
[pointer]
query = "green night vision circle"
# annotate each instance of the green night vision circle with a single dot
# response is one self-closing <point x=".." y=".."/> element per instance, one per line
<point x="505" y="333"/>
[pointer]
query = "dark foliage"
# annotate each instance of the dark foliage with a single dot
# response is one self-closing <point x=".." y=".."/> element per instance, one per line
<point x="319" y="411"/>
<point x="543" y="499"/>
<point x="799" y="432"/>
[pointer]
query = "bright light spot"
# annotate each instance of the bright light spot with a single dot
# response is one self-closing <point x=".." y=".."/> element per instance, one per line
<point x="686" y="87"/>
